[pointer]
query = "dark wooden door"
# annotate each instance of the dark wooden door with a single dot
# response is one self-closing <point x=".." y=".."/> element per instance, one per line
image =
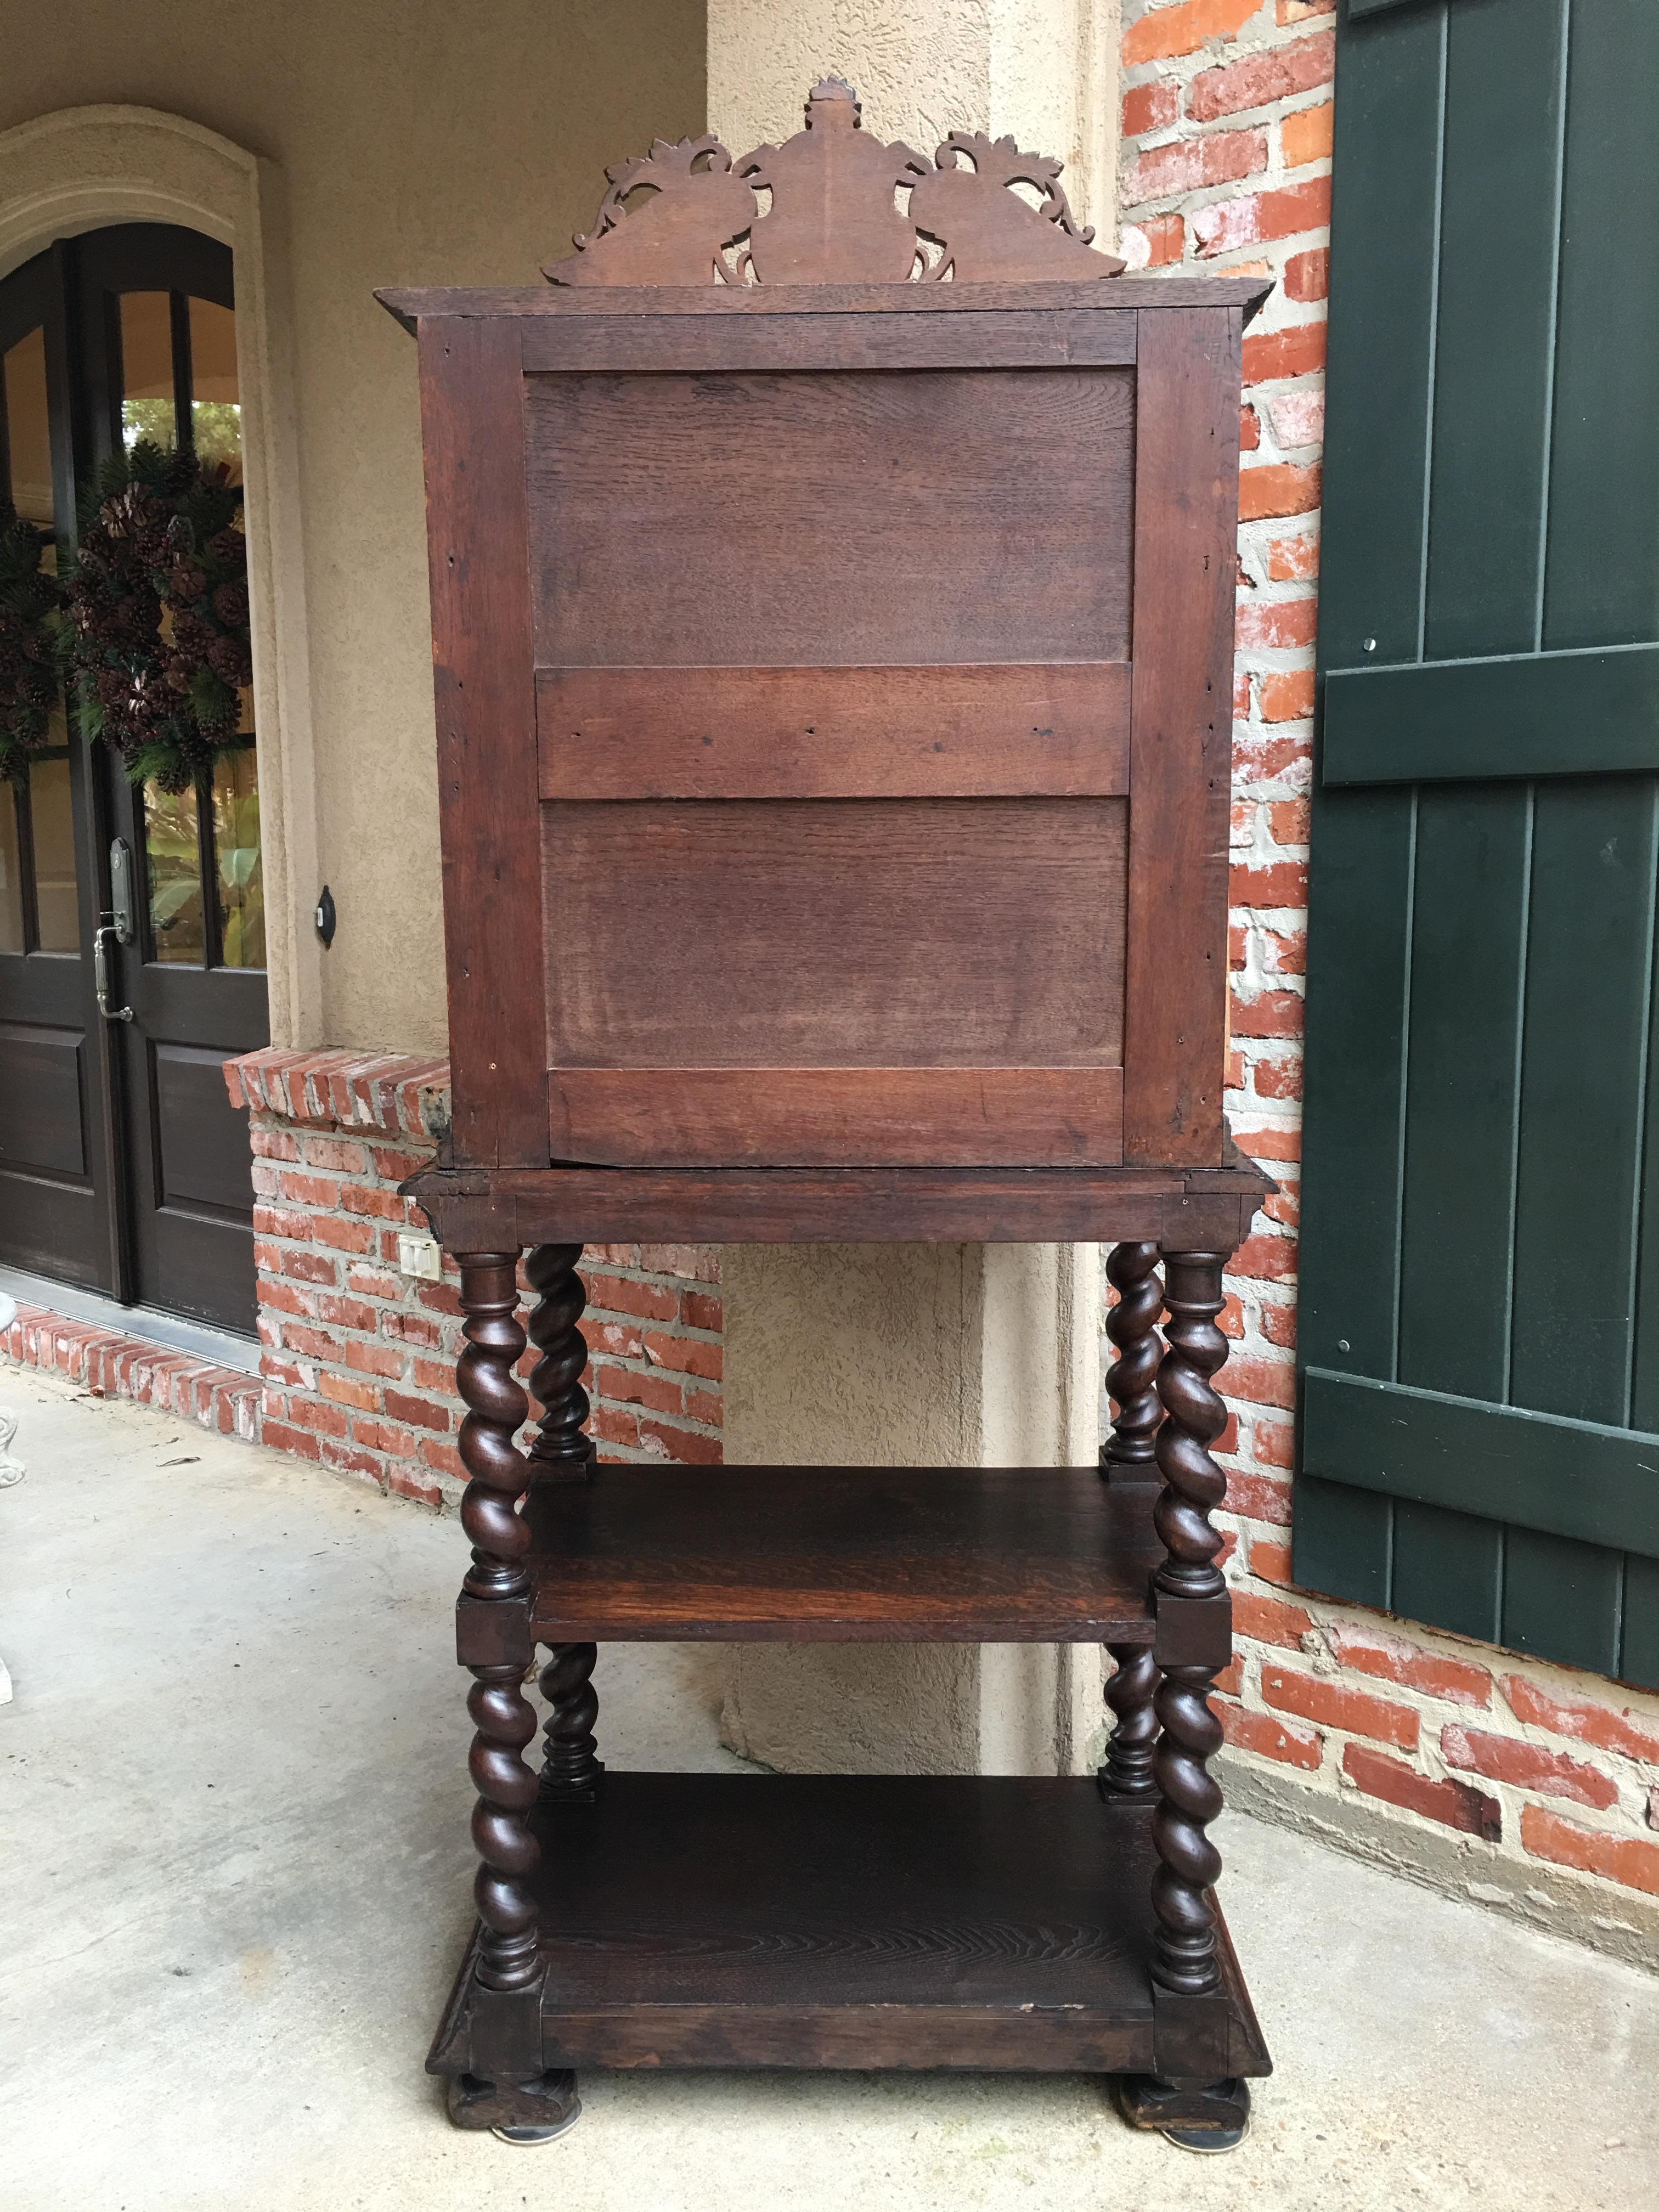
<point x="1479" y="1413"/>
<point x="57" y="1181"/>
<point x="148" y="313"/>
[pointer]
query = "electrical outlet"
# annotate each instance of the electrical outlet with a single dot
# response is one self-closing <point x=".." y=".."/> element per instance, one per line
<point x="419" y="1256"/>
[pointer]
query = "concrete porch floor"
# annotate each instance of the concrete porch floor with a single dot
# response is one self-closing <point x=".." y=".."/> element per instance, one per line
<point x="234" y="1827"/>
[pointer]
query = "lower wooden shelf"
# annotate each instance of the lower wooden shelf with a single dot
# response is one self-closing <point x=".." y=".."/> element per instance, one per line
<point x="971" y="1923"/>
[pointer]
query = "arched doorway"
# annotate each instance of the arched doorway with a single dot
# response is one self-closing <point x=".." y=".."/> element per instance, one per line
<point x="122" y="1167"/>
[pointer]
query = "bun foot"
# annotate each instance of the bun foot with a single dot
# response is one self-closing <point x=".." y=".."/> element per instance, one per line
<point x="518" y="2112"/>
<point x="1201" y="2116"/>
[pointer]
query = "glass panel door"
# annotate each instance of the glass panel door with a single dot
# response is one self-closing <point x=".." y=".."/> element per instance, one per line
<point x="178" y="385"/>
<point x="59" y="1212"/>
<point x="39" y="885"/>
<point x="163" y="303"/>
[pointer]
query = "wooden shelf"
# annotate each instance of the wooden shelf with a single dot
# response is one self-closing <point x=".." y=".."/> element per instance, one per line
<point x="850" y="1921"/>
<point x="843" y="1554"/>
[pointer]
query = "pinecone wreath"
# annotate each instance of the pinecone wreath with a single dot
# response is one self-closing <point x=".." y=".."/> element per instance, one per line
<point x="32" y="641"/>
<point x="158" y="602"/>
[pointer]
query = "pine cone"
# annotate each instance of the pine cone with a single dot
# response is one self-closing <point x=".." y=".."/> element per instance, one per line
<point x="228" y="657"/>
<point x="230" y="603"/>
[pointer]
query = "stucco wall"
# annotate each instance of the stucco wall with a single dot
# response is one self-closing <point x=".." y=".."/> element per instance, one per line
<point x="414" y="143"/>
<point x="1044" y="69"/>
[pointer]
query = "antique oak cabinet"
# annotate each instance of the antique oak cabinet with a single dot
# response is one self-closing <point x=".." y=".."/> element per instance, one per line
<point x="832" y="585"/>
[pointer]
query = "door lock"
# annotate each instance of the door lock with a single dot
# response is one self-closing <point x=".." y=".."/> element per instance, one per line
<point x="100" y="973"/>
<point x="120" y="891"/>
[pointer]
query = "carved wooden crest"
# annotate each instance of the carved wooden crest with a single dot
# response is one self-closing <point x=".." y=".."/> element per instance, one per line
<point x="831" y="206"/>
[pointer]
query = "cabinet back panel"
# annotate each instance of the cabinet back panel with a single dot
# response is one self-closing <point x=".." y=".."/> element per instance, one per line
<point x="961" y="933"/>
<point x="831" y="519"/>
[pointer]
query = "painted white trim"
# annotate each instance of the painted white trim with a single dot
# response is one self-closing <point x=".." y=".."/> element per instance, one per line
<point x="79" y="170"/>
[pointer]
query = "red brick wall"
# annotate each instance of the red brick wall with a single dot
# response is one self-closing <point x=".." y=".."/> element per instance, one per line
<point x="358" y="1359"/>
<point x="1227" y="109"/>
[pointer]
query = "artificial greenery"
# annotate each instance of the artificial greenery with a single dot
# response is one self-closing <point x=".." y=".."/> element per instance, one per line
<point x="158" y="612"/>
<point x="33" y="638"/>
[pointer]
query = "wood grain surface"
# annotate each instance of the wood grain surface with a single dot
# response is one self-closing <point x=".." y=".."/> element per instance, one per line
<point x="803" y="1205"/>
<point x="844" y="1555"/>
<point x="1057" y="729"/>
<point x="991" y="338"/>
<point x="966" y="1117"/>
<point x="1180" y="750"/>
<point x="536" y="303"/>
<point x="472" y="408"/>
<point x="853" y="1921"/>
<point x="824" y="932"/>
<point x="844" y="517"/>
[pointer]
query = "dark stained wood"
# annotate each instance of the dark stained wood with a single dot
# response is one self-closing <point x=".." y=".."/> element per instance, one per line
<point x="1057" y="729"/>
<point x="502" y="1717"/>
<point x="850" y="518"/>
<point x="1127" y="1772"/>
<point x="571" y="1768"/>
<point x="850" y="1921"/>
<point x="471" y="405"/>
<point x="413" y="304"/>
<point x="815" y="860"/>
<point x="965" y="1117"/>
<point x="1208" y="2116"/>
<point x="843" y="1555"/>
<point x="784" y="1206"/>
<point x="1194" y="1485"/>
<point x="986" y="337"/>
<point x="528" y="2111"/>
<point x="560" y="1450"/>
<point x="824" y="933"/>
<point x="1187" y="1961"/>
<point x="1131" y="1378"/>
<point x="1186" y="554"/>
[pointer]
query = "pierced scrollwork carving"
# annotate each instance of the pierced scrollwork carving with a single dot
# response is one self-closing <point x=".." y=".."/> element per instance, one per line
<point x="988" y="233"/>
<point x="1000" y="161"/>
<point x="688" y="206"/>
<point x="834" y="213"/>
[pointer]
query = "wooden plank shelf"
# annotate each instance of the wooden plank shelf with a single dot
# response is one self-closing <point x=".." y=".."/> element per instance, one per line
<point x="906" y="1921"/>
<point x="856" y="1555"/>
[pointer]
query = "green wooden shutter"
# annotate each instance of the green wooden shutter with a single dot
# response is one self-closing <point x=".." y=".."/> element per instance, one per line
<point x="1479" y="1443"/>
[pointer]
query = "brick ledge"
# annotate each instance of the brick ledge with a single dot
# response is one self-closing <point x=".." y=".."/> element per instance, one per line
<point x="112" y="1364"/>
<point x="396" y="1093"/>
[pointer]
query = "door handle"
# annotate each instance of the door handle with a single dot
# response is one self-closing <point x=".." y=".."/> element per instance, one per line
<point x="101" y="976"/>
